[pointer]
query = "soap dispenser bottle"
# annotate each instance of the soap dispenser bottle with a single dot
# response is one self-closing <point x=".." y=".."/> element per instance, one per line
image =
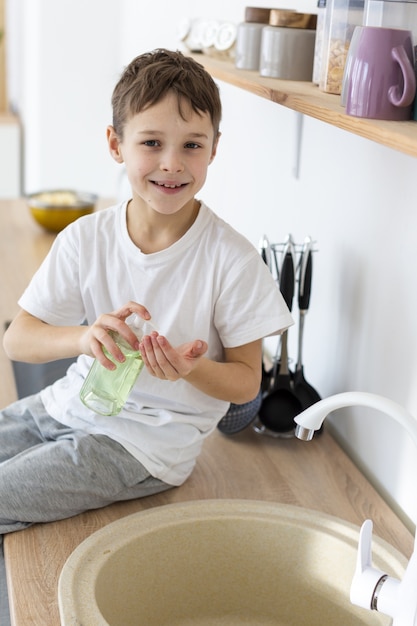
<point x="106" y="391"/>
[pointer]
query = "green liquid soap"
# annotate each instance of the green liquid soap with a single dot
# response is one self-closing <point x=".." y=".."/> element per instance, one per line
<point x="106" y="391"/>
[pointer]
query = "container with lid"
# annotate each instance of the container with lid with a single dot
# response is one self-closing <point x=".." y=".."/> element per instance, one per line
<point x="264" y="27"/>
<point x="341" y="19"/>
<point x="287" y="45"/>
<point x="318" y="47"/>
<point x="392" y="14"/>
<point x="248" y="45"/>
<point x="287" y="53"/>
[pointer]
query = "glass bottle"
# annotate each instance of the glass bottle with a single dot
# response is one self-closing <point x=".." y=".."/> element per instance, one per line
<point x="106" y="391"/>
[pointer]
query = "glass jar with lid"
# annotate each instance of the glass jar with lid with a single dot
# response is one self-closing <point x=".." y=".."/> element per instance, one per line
<point x="318" y="47"/>
<point x="392" y="14"/>
<point x="341" y="19"/>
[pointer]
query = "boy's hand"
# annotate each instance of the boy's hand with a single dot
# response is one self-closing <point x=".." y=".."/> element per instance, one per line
<point x="97" y="337"/>
<point x="168" y="363"/>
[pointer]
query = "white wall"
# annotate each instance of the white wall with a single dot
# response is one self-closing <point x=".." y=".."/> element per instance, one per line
<point x="356" y="198"/>
<point x="62" y="74"/>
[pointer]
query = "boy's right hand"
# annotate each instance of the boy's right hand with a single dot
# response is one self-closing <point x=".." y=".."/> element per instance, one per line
<point x="97" y="336"/>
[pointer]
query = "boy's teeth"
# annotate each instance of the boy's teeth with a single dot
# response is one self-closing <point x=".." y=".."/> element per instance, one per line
<point x="169" y="186"/>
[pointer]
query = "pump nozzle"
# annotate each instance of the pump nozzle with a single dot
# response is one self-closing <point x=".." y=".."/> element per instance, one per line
<point x="142" y="327"/>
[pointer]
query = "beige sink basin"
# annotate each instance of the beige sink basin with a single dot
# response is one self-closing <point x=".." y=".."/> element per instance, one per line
<point x="222" y="563"/>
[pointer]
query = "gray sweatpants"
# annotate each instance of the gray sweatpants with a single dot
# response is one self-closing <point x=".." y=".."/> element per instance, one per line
<point x="49" y="471"/>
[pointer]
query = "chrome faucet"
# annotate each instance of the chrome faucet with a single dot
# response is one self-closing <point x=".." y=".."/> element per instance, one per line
<point x="371" y="588"/>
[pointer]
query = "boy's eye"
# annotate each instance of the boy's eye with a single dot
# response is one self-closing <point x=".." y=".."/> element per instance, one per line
<point x="154" y="143"/>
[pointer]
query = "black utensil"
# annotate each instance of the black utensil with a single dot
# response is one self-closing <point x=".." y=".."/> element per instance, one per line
<point x="265" y="251"/>
<point x="305" y="393"/>
<point x="280" y="406"/>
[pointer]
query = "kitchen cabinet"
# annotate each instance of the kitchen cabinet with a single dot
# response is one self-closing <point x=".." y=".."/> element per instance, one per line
<point x="306" y="98"/>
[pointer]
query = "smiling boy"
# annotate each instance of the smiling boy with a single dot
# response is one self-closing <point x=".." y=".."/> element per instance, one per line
<point x="163" y="255"/>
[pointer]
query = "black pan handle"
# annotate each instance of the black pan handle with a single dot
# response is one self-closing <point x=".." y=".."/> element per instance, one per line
<point x="305" y="276"/>
<point x="287" y="273"/>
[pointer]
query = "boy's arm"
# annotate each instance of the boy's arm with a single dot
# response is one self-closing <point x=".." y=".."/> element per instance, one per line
<point x="236" y="379"/>
<point x="31" y="340"/>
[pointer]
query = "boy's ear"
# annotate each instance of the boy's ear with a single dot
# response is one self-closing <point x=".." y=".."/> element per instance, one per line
<point x="114" y="144"/>
<point x="215" y="144"/>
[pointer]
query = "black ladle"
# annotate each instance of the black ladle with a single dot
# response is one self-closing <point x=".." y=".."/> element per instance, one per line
<point x="281" y="405"/>
<point x="305" y="393"/>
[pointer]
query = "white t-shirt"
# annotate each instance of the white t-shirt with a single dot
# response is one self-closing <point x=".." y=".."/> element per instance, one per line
<point x="211" y="284"/>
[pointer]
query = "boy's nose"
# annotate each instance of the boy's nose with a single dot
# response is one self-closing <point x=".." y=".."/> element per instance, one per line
<point x="171" y="162"/>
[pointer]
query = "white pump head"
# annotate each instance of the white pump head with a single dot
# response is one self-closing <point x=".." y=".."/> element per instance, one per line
<point x="141" y="327"/>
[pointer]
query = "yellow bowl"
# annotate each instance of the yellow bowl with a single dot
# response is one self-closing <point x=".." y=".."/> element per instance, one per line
<point x="57" y="208"/>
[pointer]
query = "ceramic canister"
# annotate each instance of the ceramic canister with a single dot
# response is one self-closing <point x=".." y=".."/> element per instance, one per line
<point x="248" y="45"/>
<point x="287" y="53"/>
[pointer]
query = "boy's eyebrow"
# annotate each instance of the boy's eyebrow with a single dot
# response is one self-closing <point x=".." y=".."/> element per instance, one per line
<point x="197" y="135"/>
<point x="158" y="132"/>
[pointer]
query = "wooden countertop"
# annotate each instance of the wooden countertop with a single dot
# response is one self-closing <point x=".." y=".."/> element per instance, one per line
<point x="316" y="475"/>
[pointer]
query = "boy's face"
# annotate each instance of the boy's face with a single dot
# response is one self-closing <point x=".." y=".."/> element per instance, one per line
<point x="166" y="156"/>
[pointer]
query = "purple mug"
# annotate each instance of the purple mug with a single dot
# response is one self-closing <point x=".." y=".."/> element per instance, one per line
<point x="381" y="84"/>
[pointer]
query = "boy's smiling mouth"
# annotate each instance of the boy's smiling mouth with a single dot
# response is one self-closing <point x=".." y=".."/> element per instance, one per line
<point x="168" y="185"/>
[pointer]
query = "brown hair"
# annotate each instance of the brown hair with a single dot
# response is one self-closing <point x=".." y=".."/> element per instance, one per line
<point x="149" y="77"/>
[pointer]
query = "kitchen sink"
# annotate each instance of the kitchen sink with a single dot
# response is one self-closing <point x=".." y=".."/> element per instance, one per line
<point x="220" y="562"/>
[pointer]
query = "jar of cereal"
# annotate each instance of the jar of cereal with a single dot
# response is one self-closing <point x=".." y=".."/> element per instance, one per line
<point x="341" y="19"/>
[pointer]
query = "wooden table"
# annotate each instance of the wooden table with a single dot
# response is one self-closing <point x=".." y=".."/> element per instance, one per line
<point x="316" y="475"/>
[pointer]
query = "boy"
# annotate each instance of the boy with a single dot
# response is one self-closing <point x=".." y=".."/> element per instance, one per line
<point x="163" y="254"/>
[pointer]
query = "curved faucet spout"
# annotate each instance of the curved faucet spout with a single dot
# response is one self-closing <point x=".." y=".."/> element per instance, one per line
<point x="313" y="417"/>
<point x="371" y="588"/>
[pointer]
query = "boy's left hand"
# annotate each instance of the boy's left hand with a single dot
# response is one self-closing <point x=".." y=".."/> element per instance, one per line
<point x="168" y="363"/>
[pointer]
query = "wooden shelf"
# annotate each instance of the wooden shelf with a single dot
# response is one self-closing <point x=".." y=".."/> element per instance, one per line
<point x="306" y="98"/>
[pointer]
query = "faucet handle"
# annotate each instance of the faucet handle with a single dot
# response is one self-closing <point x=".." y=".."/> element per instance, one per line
<point x="366" y="579"/>
<point x="372" y="589"/>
